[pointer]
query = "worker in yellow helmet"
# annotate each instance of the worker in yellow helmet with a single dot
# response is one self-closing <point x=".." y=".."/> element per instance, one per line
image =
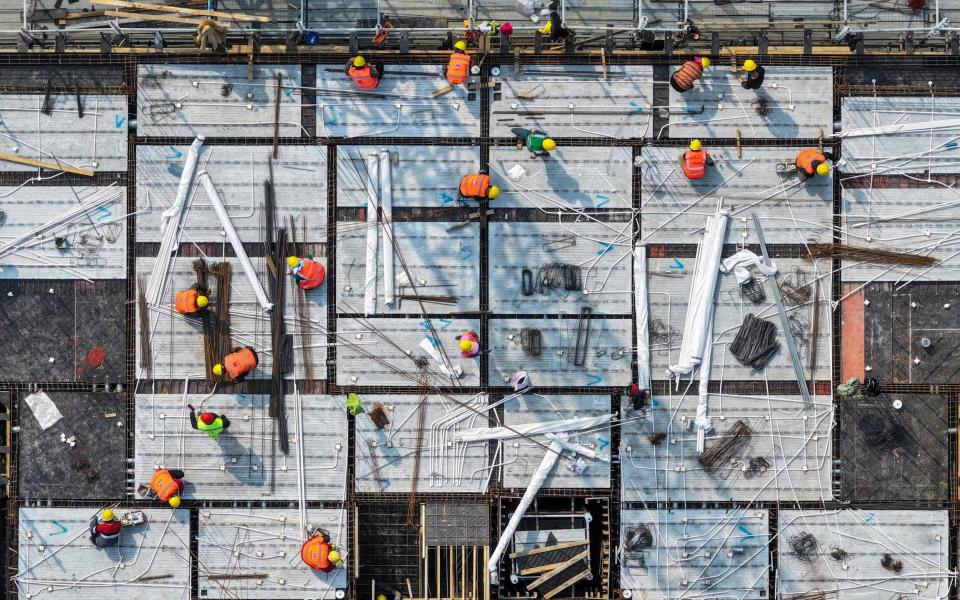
<point x="695" y="161"/>
<point x="689" y="72"/>
<point x="458" y="67"/>
<point x="810" y="163"/>
<point x="191" y="302"/>
<point x="536" y="141"/>
<point x="365" y="75"/>
<point x="753" y="75"/>
<point x="477" y="186"/>
<point x="106" y="530"/>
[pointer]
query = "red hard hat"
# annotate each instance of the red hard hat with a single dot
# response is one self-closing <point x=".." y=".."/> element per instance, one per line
<point x="207" y="417"/>
<point x="506" y="29"/>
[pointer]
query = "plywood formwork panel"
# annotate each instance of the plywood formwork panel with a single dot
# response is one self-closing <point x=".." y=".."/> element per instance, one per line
<point x="266" y="541"/>
<point x="240" y="173"/>
<point x="95" y="243"/>
<point x="572" y="178"/>
<point x="606" y="360"/>
<point x="522" y="456"/>
<point x="617" y="106"/>
<point x="401" y="106"/>
<point x="217" y="100"/>
<point x="422" y="176"/>
<point x="56" y="559"/>
<point x="437" y="263"/>
<point x="919" y="539"/>
<point x="96" y="142"/>
<point x="799" y="104"/>
<point x="794" y="440"/>
<point x="675" y="208"/>
<point x="669" y="297"/>
<point x="386" y="457"/>
<point x="383" y="351"/>
<point x="915" y="221"/>
<point x="605" y="268"/>
<point x="245" y="462"/>
<point x="697" y="553"/>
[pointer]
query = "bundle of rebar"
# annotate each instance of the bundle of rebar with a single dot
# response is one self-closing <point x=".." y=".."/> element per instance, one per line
<point x="278" y="338"/>
<point x="302" y="315"/>
<point x="424" y="381"/>
<point x="206" y="322"/>
<point x="146" y="357"/>
<point x="220" y="330"/>
<point x="755" y="343"/>
<point x="727" y="448"/>
<point x="869" y="255"/>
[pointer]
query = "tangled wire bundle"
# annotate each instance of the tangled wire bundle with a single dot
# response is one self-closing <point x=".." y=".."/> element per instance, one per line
<point x="558" y="276"/>
<point x="804" y="546"/>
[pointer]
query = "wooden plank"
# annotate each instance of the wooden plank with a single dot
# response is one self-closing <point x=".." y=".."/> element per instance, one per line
<point x="560" y="567"/>
<point x="233" y="16"/>
<point x="155" y="17"/>
<point x="567" y="583"/>
<point x="89" y="14"/>
<point x="544" y="549"/>
<point x="44" y="165"/>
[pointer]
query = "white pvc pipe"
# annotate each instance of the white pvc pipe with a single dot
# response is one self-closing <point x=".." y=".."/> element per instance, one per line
<point x="504" y="433"/>
<point x="231" y="232"/>
<point x="183" y="188"/>
<point x="386" y="207"/>
<point x="642" y="304"/>
<point x="370" y="281"/>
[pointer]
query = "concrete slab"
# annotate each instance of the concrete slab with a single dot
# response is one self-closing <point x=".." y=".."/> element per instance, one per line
<point x="267" y="541"/>
<point x="696" y="553"/>
<point x="522" y="456"/>
<point x="95" y="242"/>
<point x="216" y="100"/>
<point x="799" y="104"/>
<point x="245" y="462"/>
<point x="606" y="361"/>
<point x="675" y="208"/>
<point x="439" y="264"/>
<point x="615" y="107"/>
<point x="604" y="268"/>
<point x="669" y="295"/>
<point x="345" y="111"/>
<point x="794" y="441"/>
<point x="916" y="538"/>
<point x="382" y="351"/>
<point x="423" y="176"/>
<point x="56" y="559"/>
<point x="97" y="142"/>
<point x="239" y="172"/>
<point x="385" y="457"/>
<point x="571" y="178"/>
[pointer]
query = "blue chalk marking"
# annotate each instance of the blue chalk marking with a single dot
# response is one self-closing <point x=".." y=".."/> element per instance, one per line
<point x="330" y="121"/>
<point x="654" y="402"/>
<point x="433" y="340"/>
<point x="465" y="252"/>
<point x="425" y="325"/>
<point x="749" y="534"/>
<point x="104" y="213"/>
<point x="60" y="525"/>
<point x="385" y="482"/>
<point x="288" y="93"/>
<point x="175" y="154"/>
<point x="444" y="323"/>
<point x="607" y="247"/>
<point x="605" y="199"/>
<point x="594" y="380"/>
<point x="118" y="121"/>
<point x="677" y="264"/>
<point x="445" y="198"/>
<point x="950" y="145"/>
<point x="603" y="443"/>
<point x="636" y="107"/>
<point x="871" y="517"/>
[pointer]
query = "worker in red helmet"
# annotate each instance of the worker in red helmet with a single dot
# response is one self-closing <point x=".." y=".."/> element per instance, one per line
<point x="210" y="422"/>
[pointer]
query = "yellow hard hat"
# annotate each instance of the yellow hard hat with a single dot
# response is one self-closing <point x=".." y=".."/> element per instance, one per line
<point x="466" y="345"/>
<point x="461" y="46"/>
<point x="749" y="65"/>
<point x="175" y="501"/>
<point x="359" y="62"/>
<point x="202" y="301"/>
<point x="704" y="62"/>
<point x="696" y="145"/>
<point x="549" y="145"/>
<point x="218" y="369"/>
<point x="334" y="557"/>
<point x="292" y="261"/>
<point x="494" y="192"/>
<point x="107" y="514"/>
<point x="823" y="169"/>
<point x="381" y="597"/>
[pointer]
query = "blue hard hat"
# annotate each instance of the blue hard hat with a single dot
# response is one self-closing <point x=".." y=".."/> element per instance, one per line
<point x="310" y="38"/>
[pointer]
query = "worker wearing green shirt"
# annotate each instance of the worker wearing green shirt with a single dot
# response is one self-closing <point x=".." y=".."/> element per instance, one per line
<point x="536" y="141"/>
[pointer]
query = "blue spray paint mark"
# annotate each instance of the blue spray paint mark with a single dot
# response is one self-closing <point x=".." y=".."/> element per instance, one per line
<point x="677" y="264"/>
<point x="603" y="443"/>
<point x="433" y="340"/>
<point x="605" y="199"/>
<point x="594" y="380"/>
<point x="871" y="517"/>
<point x="104" y="213"/>
<point x="444" y="323"/>
<point x="425" y="325"/>
<point x="445" y="198"/>
<point x="465" y="252"/>
<point x="636" y="107"/>
<point x="60" y="525"/>
<point x="174" y="155"/>
<point x="330" y="121"/>
<point x="654" y="402"/>
<point x="607" y="247"/>
<point x="118" y="121"/>
<point x="288" y="93"/>
<point x="749" y="534"/>
<point x="385" y="482"/>
<point x="950" y="145"/>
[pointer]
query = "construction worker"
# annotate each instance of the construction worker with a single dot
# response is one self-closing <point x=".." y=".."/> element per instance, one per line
<point x="556" y="29"/>
<point x="477" y="187"/>
<point x="458" y="68"/>
<point x="810" y="163"/>
<point x="364" y="75"/>
<point x="694" y="161"/>
<point x="754" y="75"/>
<point x="536" y="141"/>
<point x="308" y="272"/>
<point x="469" y="344"/>
<point x="238" y="364"/>
<point x="318" y="553"/>
<point x="683" y="78"/>
<point x="210" y="422"/>
<point x="166" y="486"/>
<point x="106" y="530"/>
<point x="354" y="404"/>
<point x="191" y="302"/>
<point x="212" y="35"/>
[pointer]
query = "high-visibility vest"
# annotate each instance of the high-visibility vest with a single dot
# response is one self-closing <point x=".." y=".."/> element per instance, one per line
<point x="808" y="159"/>
<point x="315" y="553"/>
<point x="363" y="77"/>
<point x="474" y="350"/>
<point x="535" y="142"/>
<point x="164" y="485"/>
<point x="186" y="302"/>
<point x="458" y="68"/>
<point x="213" y="429"/>
<point x="695" y="164"/>
<point x="240" y="363"/>
<point x="687" y="74"/>
<point x="475" y="186"/>
<point x="311" y="274"/>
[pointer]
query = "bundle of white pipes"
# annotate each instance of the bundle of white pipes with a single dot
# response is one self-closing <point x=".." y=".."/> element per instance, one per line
<point x="641" y="301"/>
<point x="373" y="201"/>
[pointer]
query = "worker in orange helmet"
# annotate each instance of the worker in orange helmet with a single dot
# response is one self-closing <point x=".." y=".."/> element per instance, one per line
<point x="469" y="344"/>
<point x="477" y="186"/>
<point x="694" y="161"/>
<point x="458" y="67"/>
<point x="319" y="553"/>
<point x="166" y="485"/>
<point x="365" y="75"/>
<point x="191" y="302"/>
<point x="308" y="273"/>
<point x="238" y="364"/>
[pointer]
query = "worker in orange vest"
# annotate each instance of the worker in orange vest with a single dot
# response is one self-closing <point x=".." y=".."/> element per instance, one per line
<point x="469" y="344"/>
<point x="694" y="161"/>
<point x="191" y="302"/>
<point x="308" y="273"/>
<point x="683" y="78"/>
<point x="318" y="553"/>
<point x="364" y="75"/>
<point x="477" y="187"/>
<point x="458" y="68"/>
<point x="166" y="486"/>
<point x="810" y="163"/>
<point x="237" y="364"/>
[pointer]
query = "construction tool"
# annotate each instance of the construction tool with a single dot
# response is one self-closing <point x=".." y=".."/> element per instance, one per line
<point x="531" y="93"/>
<point x="131" y="519"/>
<point x="471" y="217"/>
<point x="444" y="90"/>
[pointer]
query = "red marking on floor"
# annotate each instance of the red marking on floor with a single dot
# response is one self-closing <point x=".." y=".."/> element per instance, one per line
<point x="852" y="338"/>
<point x="95" y="357"/>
